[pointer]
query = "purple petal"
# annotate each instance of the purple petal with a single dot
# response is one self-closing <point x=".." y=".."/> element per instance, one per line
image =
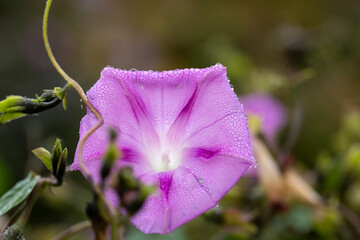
<point x="272" y="113"/>
<point x="184" y="131"/>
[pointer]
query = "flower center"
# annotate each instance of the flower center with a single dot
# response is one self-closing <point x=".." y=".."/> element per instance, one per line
<point x="165" y="158"/>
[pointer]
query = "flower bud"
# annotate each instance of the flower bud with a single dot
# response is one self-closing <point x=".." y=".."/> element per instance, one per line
<point x="58" y="160"/>
<point x="11" y="108"/>
<point x="45" y="156"/>
<point x="131" y="191"/>
<point x="95" y="210"/>
<point x="134" y="200"/>
<point x="13" y="233"/>
<point x="111" y="154"/>
<point x="10" y="102"/>
<point x="14" y="107"/>
<point x="113" y="135"/>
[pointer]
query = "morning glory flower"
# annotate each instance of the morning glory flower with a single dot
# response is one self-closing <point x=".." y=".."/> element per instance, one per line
<point x="184" y="131"/>
<point x="269" y="111"/>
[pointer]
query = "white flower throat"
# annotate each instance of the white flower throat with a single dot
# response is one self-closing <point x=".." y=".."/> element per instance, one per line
<point x="164" y="157"/>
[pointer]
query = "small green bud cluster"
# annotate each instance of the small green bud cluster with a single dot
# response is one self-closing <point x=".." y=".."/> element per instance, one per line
<point x="55" y="161"/>
<point x="131" y="191"/>
<point x="111" y="155"/>
<point x="14" y="107"/>
<point x="99" y="217"/>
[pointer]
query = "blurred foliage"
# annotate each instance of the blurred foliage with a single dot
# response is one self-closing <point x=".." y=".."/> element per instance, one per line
<point x="306" y="51"/>
<point x="5" y="177"/>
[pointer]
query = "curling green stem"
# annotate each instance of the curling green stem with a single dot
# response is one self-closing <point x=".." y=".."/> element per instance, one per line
<point x="78" y="88"/>
<point x="48" y="48"/>
<point x="86" y="101"/>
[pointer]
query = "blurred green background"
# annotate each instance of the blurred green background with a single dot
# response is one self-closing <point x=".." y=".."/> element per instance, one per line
<point x="263" y="44"/>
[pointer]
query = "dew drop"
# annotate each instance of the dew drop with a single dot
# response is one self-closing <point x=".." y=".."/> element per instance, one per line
<point x="201" y="181"/>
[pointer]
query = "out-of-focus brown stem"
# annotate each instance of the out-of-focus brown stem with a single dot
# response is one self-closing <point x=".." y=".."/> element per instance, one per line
<point x="269" y="173"/>
<point x="34" y="195"/>
<point x="352" y="217"/>
<point x="72" y="230"/>
<point x="100" y="235"/>
<point x="295" y="126"/>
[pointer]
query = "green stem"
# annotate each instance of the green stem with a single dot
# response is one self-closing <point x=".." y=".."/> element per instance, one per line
<point x="48" y="48"/>
<point x="86" y="101"/>
<point x="78" y="88"/>
<point x="114" y="225"/>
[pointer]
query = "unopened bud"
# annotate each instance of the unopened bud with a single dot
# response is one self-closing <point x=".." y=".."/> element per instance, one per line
<point x="111" y="155"/>
<point x="58" y="160"/>
<point x="11" y="102"/>
<point x="13" y="233"/>
<point x="113" y="135"/>
<point x="99" y="219"/>
<point x="131" y="191"/>
<point x="14" y="107"/>
<point x="134" y="200"/>
<point x="45" y="156"/>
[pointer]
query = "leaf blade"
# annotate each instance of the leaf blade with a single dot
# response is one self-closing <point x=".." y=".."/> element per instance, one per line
<point x="18" y="193"/>
<point x="44" y="155"/>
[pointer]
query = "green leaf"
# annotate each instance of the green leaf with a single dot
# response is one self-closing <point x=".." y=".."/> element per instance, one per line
<point x="45" y="156"/>
<point x="18" y="193"/>
<point x="7" y="117"/>
<point x="10" y="101"/>
<point x="5" y="176"/>
<point x="64" y="103"/>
